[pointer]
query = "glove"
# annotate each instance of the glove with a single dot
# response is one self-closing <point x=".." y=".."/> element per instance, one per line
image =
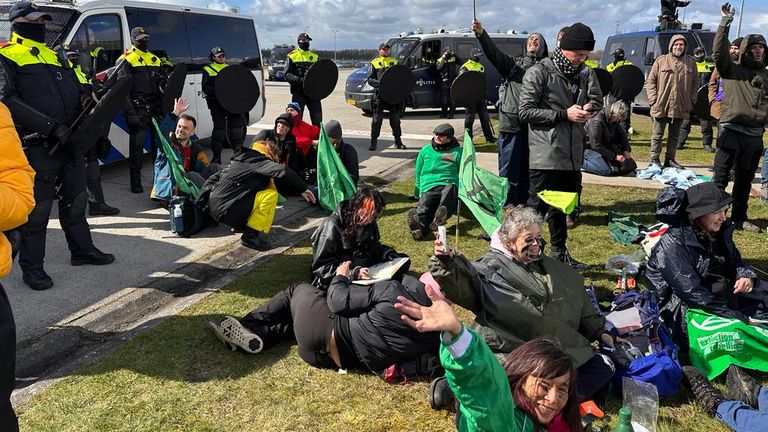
<point x="60" y="133"/>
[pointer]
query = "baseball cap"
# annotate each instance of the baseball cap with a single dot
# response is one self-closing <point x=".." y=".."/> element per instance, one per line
<point x="384" y="45"/>
<point x="304" y="36"/>
<point x="139" y="33"/>
<point x="28" y="10"/>
<point x="217" y="50"/>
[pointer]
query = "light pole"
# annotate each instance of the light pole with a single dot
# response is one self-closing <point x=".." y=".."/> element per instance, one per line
<point x="741" y="14"/>
<point x="334" y="44"/>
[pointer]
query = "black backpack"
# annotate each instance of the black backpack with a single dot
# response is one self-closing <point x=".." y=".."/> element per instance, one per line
<point x="186" y="217"/>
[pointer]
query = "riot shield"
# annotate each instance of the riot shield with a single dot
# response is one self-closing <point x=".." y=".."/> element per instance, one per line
<point x="174" y="87"/>
<point x="605" y="80"/>
<point x="237" y="90"/>
<point x="320" y="79"/>
<point x="628" y="82"/>
<point x="468" y="89"/>
<point x="396" y="84"/>
<point x="702" y="106"/>
<point x="95" y="125"/>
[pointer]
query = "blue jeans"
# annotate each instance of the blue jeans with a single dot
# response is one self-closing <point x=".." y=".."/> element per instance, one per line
<point x="595" y="164"/>
<point x="743" y="418"/>
<point x="764" y="171"/>
<point x="513" y="165"/>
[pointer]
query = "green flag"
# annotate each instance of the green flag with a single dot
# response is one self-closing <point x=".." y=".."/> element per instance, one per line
<point x="717" y="342"/>
<point x="180" y="178"/>
<point x="333" y="181"/>
<point x="481" y="190"/>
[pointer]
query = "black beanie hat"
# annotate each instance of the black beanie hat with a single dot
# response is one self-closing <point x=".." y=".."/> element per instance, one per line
<point x="737" y="42"/>
<point x="705" y="198"/>
<point x="578" y="37"/>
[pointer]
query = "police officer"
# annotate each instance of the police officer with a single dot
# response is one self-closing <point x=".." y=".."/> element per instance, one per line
<point x="619" y="59"/>
<point x="378" y="66"/>
<point x="227" y="126"/>
<point x="473" y="64"/>
<point x="42" y="92"/>
<point x="296" y="66"/>
<point x="145" y="99"/>
<point x="448" y="66"/>
<point x="704" y="69"/>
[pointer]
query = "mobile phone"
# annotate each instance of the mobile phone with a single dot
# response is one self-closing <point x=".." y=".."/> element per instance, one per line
<point x="443" y="235"/>
<point x="593" y="109"/>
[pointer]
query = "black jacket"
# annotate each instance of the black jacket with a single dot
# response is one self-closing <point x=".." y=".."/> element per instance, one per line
<point x="348" y="156"/>
<point x="290" y="155"/>
<point x="145" y="93"/>
<point x="365" y="316"/>
<point x="606" y="138"/>
<point x="448" y="68"/>
<point x="329" y="250"/>
<point x="229" y="193"/>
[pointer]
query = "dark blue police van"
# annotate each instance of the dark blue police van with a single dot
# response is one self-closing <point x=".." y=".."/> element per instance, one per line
<point x="420" y="52"/>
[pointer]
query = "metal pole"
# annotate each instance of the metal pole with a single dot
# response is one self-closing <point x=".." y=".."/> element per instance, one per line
<point x="458" y="222"/>
<point x="741" y="14"/>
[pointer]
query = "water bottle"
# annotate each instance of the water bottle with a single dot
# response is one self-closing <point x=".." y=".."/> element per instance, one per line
<point x="625" y="420"/>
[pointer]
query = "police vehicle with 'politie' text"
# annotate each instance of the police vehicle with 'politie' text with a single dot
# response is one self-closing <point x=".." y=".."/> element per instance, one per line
<point x="101" y="29"/>
<point x="420" y="52"/>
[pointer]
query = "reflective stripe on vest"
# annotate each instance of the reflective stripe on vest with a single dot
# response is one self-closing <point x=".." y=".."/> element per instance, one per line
<point x="450" y="60"/>
<point x="383" y="62"/>
<point x="703" y="67"/>
<point x="591" y="63"/>
<point x="300" y="56"/>
<point x="80" y="75"/>
<point x="19" y="50"/>
<point x="610" y="67"/>
<point x="138" y="58"/>
<point x="473" y="66"/>
<point x="213" y="69"/>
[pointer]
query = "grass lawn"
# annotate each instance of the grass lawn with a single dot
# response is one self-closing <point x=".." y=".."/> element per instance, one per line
<point x="178" y="377"/>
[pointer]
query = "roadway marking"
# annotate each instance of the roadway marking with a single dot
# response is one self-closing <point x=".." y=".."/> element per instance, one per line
<point x="358" y="133"/>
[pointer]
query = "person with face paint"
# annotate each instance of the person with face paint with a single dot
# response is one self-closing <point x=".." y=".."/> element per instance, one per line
<point x="145" y="97"/>
<point x="227" y="126"/>
<point x="742" y="114"/>
<point x="297" y="64"/>
<point x="379" y="65"/>
<point x="448" y="66"/>
<point x="517" y="294"/>
<point x="558" y="96"/>
<point x="672" y="86"/>
<point x="481" y="109"/>
<point x="704" y="69"/>
<point x="44" y="96"/>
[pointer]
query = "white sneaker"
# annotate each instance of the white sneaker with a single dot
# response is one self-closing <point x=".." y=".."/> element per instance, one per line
<point x="631" y="131"/>
<point x="234" y="335"/>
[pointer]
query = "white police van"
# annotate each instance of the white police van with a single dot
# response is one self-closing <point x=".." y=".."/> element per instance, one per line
<point x="183" y="34"/>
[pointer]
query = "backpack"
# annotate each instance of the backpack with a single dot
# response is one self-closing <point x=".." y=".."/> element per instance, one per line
<point x="671" y="205"/>
<point x="186" y="217"/>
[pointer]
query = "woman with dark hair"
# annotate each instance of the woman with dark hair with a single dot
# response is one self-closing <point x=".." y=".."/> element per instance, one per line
<point x="534" y="390"/>
<point x="351" y="234"/>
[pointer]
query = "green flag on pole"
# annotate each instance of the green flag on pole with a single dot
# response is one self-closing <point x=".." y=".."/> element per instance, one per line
<point x="334" y="183"/>
<point x="481" y="190"/>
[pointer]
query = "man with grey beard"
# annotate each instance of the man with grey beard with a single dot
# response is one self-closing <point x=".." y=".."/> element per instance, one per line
<point x="672" y="87"/>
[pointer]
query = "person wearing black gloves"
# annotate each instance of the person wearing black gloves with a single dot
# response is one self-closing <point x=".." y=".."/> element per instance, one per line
<point x="379" y="65"/>
<point x="513" y="136"/>
<point x="44" y="97"/>
<point x="227" y="126"/>
<point x="448" y="66"/>
<point x="297" y="64"/>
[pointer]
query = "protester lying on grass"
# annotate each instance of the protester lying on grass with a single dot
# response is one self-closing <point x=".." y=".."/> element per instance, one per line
<point x="351" y="234"/>
<point x="349" y="326"/>
<point x="608" y="151"/>
<point x="243" y="195"/>
<point x="696" y="263"/>
<point x="518" y="294"/>
<point x="535" y="390"/>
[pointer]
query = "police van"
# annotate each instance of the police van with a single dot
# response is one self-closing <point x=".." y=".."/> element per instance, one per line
<point x="644" y="47"/>
<point x="182" y="34"/>
<point x="277" y="61"/>
<point x="420" y="52"/>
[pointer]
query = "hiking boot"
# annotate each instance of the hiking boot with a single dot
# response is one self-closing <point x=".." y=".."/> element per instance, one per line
<point x="96" y="209"/>
<point x="94" y="257"/>
<point x="764" y="192"/>
<point x="565" y="257"/>
<point x="399" y="144"/>
<point x="709" y="148"/>
<point x="37" y="279"/>
<point x="742" y="386"/>
<point x="252" y="239"/>
<point x="440" y="395"/>
<point x="705" y="393"/>
<point x="441" y="216"/>
<point x="491" y="141"/>
<point x="234" y="335"/>
<point x="656" y="162"/>
<point x="372" y="147"/>
<point x="747" y="226"/>
<point x="443" y="114"/>
<point x="672" y="164"/>
<point x="137" y="189"/>
<point x="414" y="226"/>
<point x="681" y="145"/>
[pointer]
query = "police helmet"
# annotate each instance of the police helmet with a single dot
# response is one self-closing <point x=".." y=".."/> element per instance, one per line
<point x="618" y="52"/>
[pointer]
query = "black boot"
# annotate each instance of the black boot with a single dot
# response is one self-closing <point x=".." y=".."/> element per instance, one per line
<point x="399" y="144"/>
<point x="96" y="209"/>
<point x="372" y="147"/>
<point x="253" y="239"/>
<point x="565" y="257"/>
<point x="673" y="164"/>
<point x="412" y="219"/>
<point x="37" y="279"/>
<point x="136" y="186"/>
<point x="440" y="395"/>
<point x="441" y="216"/>
<point x="705" y="393"/>
<point x="742" y="386"/>
<point x="94" y="257"/>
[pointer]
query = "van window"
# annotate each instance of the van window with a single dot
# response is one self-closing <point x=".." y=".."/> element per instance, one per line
<point x="398" y="48"/>
<point x="167" y="32"/>
<point x="650" y="47"/>
<point x="102" y="37"/>
<point x="632" y="48"/>
<point x="430" y="51"/>
<point x="464" y="49"/>
<point x="237" y="36"/>
<point x="511" y="47"/>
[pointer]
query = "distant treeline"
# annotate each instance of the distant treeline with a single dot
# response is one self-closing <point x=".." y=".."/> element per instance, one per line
<point x="345" y="54"/>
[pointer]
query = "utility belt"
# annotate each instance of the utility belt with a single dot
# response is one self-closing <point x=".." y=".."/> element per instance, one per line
<point x="149" y="104"/>
<point x="35" y="140"/>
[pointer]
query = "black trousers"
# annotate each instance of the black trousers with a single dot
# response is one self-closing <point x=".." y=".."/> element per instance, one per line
<point x="447" y="105"/>
<point x="138" y="127"/>
<point x="593" y="376"/>
<point x="93" y="178"/>
<point x="314" y="106"/>
<point x="741" y="153"/>
<point x="707" y="135"/>
<point x="301" y="311"/>
<point x="430" y="200"/>
<point x="227" y="127"/>
<point x="485" y="120"/>
<point x="553" y="180"/>
<point x="378" y="117"/>
<point x="8" y="421"/>
<point x="73" y="199"/>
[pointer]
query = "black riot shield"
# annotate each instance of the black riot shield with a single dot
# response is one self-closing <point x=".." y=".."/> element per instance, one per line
<point x="320" y="79"/>
<point x="702" y="106"/>
<point x="396" y="84"/>
<point x="237" y="90"/>
<point x="605" y="80"/>
<point x="628" y="82"/>
<point x="174" y="87"/>
<point x="95" y="125"/>
<point x="468" y="89"/>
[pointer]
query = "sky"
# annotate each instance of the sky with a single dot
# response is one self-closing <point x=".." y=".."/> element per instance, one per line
<point x="365" y="23"/>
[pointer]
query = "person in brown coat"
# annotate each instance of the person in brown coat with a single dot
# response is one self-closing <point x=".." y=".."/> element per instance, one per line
<point x="672" y="87"/>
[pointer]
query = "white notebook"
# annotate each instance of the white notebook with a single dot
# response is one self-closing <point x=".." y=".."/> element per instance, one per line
<point x="383" y="271"/>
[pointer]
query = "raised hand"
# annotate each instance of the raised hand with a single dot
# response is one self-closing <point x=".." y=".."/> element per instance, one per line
<point x="438" y="317"/>
<point x="728" y="11"/>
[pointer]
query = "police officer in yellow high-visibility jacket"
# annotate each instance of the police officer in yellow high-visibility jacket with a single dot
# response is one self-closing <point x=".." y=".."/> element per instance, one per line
<point x="296" y="66"/>
<point x="378" y="66"/>
<point x="227" y="126"/>
<point x="619" y="60"/>
<point x="473" y="64"/>
<point x="44" y="97"/>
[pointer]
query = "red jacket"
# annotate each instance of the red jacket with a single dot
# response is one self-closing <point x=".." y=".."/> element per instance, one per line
<point x="305" y="133"/>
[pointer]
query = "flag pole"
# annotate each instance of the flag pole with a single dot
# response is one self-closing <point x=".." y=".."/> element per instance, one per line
<point x="474" y="10"/>
<point x="458" y="221"/>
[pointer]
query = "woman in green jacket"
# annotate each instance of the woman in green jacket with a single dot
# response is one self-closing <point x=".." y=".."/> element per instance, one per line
<point x="534" y="391"/>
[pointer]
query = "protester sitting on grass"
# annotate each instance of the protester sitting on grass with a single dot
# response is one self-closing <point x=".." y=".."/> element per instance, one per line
<point x="608" y="151"/>
<point x="518" y="294"/>
<point x="535" y="390"/>
<point x="351" y="234"/>
<point x="243" y="195"/>
<point x="290" y="155"/>
<point x="347" y="327"/>
<point x="437" y="174"/>
<point x="696" y="263"/>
